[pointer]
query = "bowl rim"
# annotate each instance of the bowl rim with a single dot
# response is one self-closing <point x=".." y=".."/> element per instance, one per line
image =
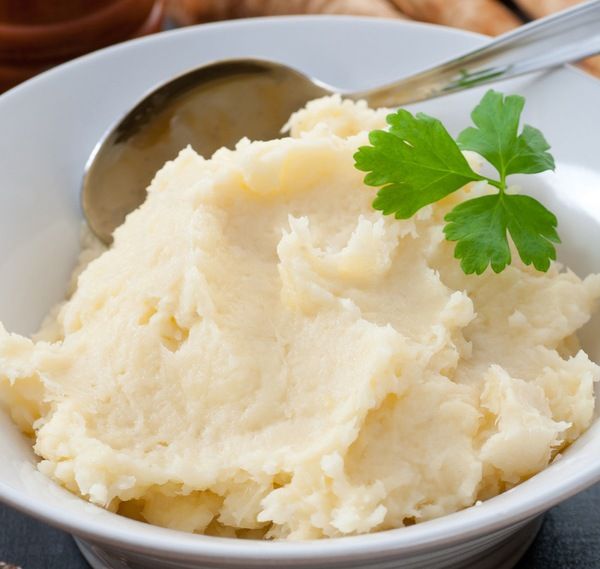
<point x="448" y="530"/>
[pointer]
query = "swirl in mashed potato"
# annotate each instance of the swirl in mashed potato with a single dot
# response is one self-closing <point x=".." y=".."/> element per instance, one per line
<point x="262" y="354"/>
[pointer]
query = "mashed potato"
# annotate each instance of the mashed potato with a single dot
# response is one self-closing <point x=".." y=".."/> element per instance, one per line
<point x="262" y="354"/>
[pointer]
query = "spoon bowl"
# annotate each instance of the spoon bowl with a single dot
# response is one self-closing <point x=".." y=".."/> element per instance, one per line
<point x="201" y="108"/>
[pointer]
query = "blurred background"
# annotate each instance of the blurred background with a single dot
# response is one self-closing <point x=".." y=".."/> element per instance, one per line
<point x="38" y="34"/>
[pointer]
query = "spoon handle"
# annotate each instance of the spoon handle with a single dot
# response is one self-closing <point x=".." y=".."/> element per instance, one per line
<point x="563" y="37"/>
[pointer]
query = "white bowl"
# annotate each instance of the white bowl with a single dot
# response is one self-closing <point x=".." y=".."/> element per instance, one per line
<point x="50" y="125"/>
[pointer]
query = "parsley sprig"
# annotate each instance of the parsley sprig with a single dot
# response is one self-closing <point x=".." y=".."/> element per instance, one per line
<point x="416" y="162"/>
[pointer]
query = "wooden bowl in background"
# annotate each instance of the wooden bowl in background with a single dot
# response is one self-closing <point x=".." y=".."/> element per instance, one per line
<point x="37" y="34"/>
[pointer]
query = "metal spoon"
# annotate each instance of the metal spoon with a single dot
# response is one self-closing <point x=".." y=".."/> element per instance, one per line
<point x="217" y="104"/>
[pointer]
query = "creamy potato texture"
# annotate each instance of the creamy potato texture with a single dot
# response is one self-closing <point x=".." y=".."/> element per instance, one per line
<point x="262" y="354"/>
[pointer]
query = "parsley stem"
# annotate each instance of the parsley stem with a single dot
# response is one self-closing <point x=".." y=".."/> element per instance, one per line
<point x="502" y="182"/>
<point x="497" y="184"/>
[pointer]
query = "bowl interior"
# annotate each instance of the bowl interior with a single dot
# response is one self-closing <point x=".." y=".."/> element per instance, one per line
<point x="50" y="125"/>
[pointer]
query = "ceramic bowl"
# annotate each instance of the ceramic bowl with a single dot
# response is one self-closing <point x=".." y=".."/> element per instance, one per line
<point x="51" y="123"/>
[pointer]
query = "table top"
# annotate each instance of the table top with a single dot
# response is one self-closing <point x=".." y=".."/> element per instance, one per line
<point x="569" y="539"/>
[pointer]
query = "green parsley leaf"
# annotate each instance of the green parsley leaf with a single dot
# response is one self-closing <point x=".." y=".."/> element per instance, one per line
<point x="417" y="162"/>
<point x="480" y="227"/>
<point x="496" y="137"/>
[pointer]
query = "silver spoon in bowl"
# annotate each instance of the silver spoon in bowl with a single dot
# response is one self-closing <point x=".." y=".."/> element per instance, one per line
<point x="217" y="104"/>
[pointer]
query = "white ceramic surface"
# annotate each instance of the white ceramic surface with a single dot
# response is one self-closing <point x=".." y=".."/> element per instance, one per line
<point x="49" y="126"/>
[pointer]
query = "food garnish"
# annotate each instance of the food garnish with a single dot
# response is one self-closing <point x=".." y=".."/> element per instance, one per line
<point x="416" y="162"/>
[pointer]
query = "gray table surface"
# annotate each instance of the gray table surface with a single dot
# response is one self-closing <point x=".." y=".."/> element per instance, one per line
<point x="569" y="539"/>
